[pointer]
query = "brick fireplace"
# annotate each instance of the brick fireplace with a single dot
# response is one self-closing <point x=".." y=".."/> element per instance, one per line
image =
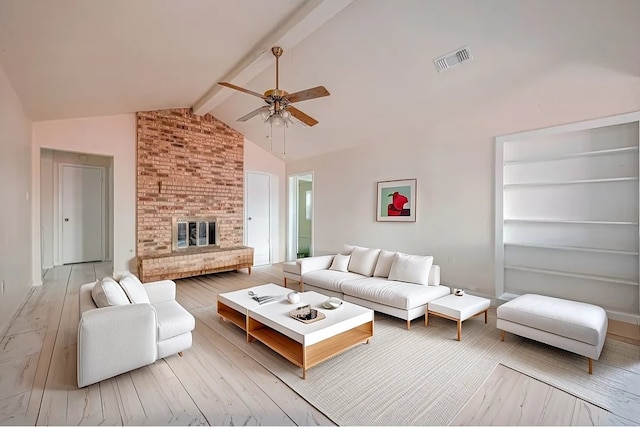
<point x="190" y="170"/>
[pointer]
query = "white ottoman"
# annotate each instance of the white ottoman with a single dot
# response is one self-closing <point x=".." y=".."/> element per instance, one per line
<point x="570" y="325"/>
<point x="291" y="271"/>
<point x="458" y="308"/>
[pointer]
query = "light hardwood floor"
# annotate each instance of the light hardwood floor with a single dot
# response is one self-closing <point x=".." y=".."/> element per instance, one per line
<point x="214" y="383"/>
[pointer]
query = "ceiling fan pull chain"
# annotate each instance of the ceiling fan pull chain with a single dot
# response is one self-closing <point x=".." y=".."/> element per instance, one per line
<point x="284" y="142"/>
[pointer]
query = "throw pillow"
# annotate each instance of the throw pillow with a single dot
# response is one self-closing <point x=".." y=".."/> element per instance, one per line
<point x="383" y="266"/>
<point x="363" y="260"/>
<point x="134" y="289"/>
<point x="107" y="292"/>
<point x="411" y="268"/>
<point x="340" y="262"/>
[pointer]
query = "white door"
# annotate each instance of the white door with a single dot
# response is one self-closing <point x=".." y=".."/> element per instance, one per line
<point x="82" y="213"/>
<point x="258" y="217"/>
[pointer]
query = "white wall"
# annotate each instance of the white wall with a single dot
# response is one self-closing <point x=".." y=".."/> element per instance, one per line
<point x="256" y="159"/>
<point x="15" y="193"/>
<point x="454" y="167"/>
<point x="112" y="136"/>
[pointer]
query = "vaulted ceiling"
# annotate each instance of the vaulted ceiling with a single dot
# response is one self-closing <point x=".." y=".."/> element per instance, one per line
<point x="78" y="58"/>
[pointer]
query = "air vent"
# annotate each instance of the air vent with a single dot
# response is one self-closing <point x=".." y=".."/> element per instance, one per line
<point x="453" y="58"/>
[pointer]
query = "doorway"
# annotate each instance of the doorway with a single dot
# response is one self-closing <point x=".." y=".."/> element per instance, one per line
<point x="258" y="217"/>
<point x="81" y="213"/>
<point x="300" y="242"/>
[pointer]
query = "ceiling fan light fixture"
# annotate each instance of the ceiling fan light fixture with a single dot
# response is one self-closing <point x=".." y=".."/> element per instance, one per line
<point x="275" y="119"/>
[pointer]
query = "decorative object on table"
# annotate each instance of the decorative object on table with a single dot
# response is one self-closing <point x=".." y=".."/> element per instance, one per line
<point x="458" y="292"/>
<point x="332" y="303"/>
<point x="396" y="201"/>
<point x="306" y="314"/>
<point x="261" y="299"/>
<point x="293" y="297"/>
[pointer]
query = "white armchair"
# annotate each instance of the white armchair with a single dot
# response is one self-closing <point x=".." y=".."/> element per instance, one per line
<point x="119" y="338"/>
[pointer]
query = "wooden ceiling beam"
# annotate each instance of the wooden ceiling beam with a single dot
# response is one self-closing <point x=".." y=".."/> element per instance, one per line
<point x="310" y="16"/>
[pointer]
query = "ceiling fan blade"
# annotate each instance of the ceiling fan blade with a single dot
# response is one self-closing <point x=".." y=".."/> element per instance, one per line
<point x="305" y="95"/>
<point x="241" y="89"/>
<point x="253" y="113"/>
<point x="304" y="118"/>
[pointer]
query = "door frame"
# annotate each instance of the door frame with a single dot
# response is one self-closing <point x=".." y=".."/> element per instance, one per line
<point x="246" y="212"/>
<point x="292" y="214"/>
<point x="58" y="212"/>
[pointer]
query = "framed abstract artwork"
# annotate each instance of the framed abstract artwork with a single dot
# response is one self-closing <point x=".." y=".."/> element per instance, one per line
<point x="396" y="201"/>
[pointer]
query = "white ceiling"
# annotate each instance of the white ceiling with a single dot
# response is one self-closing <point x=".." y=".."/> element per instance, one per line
<point x="78" y="58"/>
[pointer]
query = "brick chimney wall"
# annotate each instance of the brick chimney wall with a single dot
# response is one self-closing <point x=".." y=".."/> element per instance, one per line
<point x="188" y="165"/>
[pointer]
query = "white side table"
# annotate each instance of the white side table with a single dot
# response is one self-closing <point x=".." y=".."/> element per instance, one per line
<point x="458" y="308"/>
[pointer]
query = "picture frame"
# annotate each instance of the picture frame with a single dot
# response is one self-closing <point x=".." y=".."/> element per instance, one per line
<point x="396" y="201"/>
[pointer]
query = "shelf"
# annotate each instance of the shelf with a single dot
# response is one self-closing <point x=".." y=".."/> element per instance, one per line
<point x="573" y="275"/>
<point x="572" y="248"/>
<point x="570" y="182"/>
<point x="575" y="155"/>
<point x="566" y="221"/>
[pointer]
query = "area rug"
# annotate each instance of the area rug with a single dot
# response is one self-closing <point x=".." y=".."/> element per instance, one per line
<point x="424" y="376"/>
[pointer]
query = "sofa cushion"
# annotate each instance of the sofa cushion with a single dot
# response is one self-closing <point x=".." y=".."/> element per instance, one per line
<point x="411" y="268"/>
<point x="363" y="261"/>
<point x="107" y="292"/>
<point x="340" y="262"/>
<point x="347" y="249"/>
<point x="173" y="320"/>
<point x="134" y="289"/>
<point x="383" y="266"/>
<point x="401" y="295"/>
<point x="328" y="279"/>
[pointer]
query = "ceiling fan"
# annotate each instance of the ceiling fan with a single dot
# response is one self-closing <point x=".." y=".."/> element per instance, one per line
<point x="279" y="109"/>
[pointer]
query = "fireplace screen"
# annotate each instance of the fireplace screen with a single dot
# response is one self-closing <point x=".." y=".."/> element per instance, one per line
<point x="194" y="233"/>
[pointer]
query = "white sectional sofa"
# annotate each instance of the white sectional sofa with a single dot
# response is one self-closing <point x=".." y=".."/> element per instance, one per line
<point x="393" y="283"/>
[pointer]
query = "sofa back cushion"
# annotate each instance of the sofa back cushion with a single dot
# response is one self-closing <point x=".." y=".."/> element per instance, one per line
<point x="411" y="268"/>
<point x="383" y="266"/>
<point x="340" y="263"/>
<point x="363" y="260"/>
<point x="107" y="292"/>
<point x="347" y="249"/>
<point x="134" y="289"/>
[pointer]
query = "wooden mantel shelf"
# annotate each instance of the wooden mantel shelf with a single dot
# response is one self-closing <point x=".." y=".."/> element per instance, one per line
<point x="177" y="265"/>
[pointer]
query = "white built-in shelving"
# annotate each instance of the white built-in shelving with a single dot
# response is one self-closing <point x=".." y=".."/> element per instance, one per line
<point x="567" y="213"/>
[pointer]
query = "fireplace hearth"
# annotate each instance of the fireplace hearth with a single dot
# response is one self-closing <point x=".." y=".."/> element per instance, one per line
<point x="194" y="233"/>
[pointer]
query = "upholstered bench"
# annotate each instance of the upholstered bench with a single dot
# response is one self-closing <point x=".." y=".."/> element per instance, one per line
<point x="291" y="271"/>
<point x="570" y="325"/>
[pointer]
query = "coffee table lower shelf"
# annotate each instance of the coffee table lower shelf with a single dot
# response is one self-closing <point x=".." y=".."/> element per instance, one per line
<point x="303" y="356"/>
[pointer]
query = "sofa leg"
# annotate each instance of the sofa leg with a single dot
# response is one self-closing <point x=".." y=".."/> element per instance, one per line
<point x="285" y="282"/>
<point x="408" y="324"/>
<point x="502" y="336"/>
<point x="590" y="365"/>
<point x="180" y="354"/>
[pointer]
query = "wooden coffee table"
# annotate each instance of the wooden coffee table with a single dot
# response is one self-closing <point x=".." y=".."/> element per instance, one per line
<point x="234" y="306"/>
<point x="303" y="344"/>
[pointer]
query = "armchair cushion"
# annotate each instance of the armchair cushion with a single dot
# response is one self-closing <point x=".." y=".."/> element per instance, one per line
<point x="173" y="320"/>
<point x="107" y="292"/>
<point x="134" y="289"/>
